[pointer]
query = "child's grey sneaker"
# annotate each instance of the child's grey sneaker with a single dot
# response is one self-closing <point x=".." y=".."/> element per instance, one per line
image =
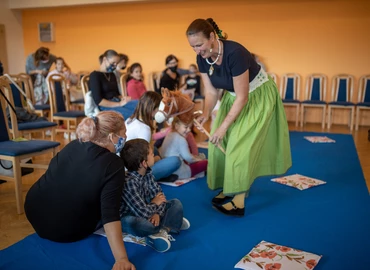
<point x="185" y="224"/>
<point x="159" y="241"/>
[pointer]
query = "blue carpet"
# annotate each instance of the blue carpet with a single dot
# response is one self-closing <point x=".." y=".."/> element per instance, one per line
<point x="332" y="220"/>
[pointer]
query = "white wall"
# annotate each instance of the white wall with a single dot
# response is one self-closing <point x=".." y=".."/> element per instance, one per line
<point x="14" y="37"/>
<point x="23" y="4"/>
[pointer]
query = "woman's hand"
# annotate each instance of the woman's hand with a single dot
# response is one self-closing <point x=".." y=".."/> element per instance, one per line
<point x="217" y="136"/>
<point x="202" y="119"/>
<point x="123" y="264"/>
<point x="155" y="220"/>
<point x="124" y="100"/>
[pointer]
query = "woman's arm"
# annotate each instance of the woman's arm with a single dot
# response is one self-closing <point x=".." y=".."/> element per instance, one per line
<point x="114" y="235"/>
<point x="211" y="94"/>
<point x="241" y="88"/>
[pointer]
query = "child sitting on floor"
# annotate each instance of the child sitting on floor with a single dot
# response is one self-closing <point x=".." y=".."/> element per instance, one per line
<point x="145" y="212"/>
<point x="175" y="144"/>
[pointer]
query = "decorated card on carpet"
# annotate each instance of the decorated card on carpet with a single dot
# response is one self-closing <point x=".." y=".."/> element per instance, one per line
<point x="269" y="256"/>
<point x="125" y="236"/>
<point x="179" y="182"/>
<point x="319" y="139"/>
<point x="298" y="181"/>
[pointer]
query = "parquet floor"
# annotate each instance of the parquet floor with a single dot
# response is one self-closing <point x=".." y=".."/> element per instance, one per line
<point x="14" y="227"/>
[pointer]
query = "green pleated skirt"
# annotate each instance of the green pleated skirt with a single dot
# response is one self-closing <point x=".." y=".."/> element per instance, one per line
<point x="257" y="143"/>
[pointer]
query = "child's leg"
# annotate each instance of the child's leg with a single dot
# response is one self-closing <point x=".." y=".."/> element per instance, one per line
<point x="165" y="167"/>
<point x="192" y="144"/>
<point x="172" y="219"/>
<point x="138" y="226"/>
<point x="198" y="167"/>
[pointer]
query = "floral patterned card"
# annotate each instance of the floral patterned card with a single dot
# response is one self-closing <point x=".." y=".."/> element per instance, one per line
<point x="125" y="236"/>
<point x="319" y="139"/>
<point x="298" y="181"/>
<point x="269" y="256"/>
<point x="178" y="183"/>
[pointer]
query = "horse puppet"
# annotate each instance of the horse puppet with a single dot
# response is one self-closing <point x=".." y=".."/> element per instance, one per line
<point x="175" y="103"/>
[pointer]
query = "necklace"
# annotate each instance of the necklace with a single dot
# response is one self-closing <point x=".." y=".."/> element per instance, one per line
<point x="107" y="77"/>
<point x="211" y="69"/>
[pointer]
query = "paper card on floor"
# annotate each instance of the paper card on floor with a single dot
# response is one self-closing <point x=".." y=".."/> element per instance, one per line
<point x="319" y="139"/>
<point x="269" y="256"/>
<point x="125" y="236"/>
<point x="298" y="181"/>
<point x="203" y="144"/>
<point x="178" y="183"/>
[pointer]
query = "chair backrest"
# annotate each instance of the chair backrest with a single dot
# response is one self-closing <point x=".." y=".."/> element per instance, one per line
<point x="273" y="76"/>
<point x="316" y="87"/>
<point x="342" y="88"/>
<point x="154" y="78"/>
<point x="28" y="86"/>
<point x="364" y="89"/>
<point x="85" y="84"/>
<point x="4" y="123"/>
<point x="18" y="98"/>
<point x="80" y="75"/>
<point x="290" y="86"/>
<point x="123" y="82"/>
<point x="59" y="99"/>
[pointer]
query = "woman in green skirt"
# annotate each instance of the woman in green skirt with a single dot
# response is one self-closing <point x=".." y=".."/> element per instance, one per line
<point x="250" y="124"/>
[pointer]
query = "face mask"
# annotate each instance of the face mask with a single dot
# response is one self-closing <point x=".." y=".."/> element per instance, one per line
<point x="120" y="144"/>
<point x="111" y="68"/>
<point x="173" y="69"/>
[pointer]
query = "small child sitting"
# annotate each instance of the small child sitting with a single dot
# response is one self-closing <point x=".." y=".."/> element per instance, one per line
<point x="135" y="86"/>
<point x="175" y="144"/>
<point x="145" y="212"/>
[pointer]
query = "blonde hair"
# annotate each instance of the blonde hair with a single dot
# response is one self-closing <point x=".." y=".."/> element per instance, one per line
<point x="96" y="129"/>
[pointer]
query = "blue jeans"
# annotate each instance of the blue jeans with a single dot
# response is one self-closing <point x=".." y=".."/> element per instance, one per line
<point x="165" y="167"/>
<point x="171" y="221"/>
<point x="127" y="110"/>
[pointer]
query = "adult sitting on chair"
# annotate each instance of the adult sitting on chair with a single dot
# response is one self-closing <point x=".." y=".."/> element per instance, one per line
<point x="104" y="87"/>
<point x="80" y="191"/>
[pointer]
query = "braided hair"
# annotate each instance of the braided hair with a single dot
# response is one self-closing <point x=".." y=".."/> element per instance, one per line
<point x="206" y="27"/>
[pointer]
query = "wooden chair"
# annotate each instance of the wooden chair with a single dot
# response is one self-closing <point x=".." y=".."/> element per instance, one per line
<point x="289" y="92"/>
<point x="315" y="96"/>
<point x="26" y="128"/>
<point x="60" y="105"/>
<point x="273" y="76"/>
<point x="363" y="102"/>
<point x="341" y="96"/>
<point x="17" y="152"/>
<point x="123" y="83"/>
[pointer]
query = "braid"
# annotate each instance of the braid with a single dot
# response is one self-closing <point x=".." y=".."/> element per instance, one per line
<point x="217" y="29"/>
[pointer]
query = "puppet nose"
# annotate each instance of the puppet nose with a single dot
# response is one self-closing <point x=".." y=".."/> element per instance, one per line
<point x="159" y="117"/>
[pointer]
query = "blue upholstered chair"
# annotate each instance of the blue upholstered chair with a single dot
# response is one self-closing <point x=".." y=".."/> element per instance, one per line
<point x="16" y="152"/>
<point x="363" y="102"/>
<point x="290" y="91"/>
<point x="41" y="110"/>
<point x="60" y="105"/>
<point x="341" y="96"/>
<point x="315" y="96"/>
<point x="27" y="128"/>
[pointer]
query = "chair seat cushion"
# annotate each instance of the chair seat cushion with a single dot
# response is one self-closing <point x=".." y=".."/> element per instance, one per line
<point x="10" y="148"/>
<point x="363" y="104"/>
<point x="291" y="101"/>
<point x="71" y="114"/>
<point x="42" y="107"/>
<point x="36" y="125"/>
<point x="78" y="101"/>
<point x="316" y="102"/>
<point x="341" y="103"/>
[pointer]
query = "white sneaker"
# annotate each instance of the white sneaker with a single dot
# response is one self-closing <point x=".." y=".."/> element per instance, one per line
<point x="159" y="241"/>
<point x="73" y="136"/>
<point x="185" y="224"/>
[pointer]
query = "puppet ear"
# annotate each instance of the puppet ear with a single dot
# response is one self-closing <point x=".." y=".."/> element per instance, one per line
<point x="165" y="92"/>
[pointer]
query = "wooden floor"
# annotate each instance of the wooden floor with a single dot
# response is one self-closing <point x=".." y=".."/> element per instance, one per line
<point x="14" y="227"/>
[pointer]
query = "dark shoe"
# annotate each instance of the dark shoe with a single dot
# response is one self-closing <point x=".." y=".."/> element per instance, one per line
<point x="237" y="212"/>
<point x="216" y="200"/>
<point x="171" y="178"/>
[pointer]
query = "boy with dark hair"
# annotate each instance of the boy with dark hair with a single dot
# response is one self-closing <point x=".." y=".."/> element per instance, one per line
<point x="145" y="212"/>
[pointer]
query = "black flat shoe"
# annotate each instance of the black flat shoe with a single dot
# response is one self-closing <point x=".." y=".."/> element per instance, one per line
<point x="216" y="200"/>
<point x="237" y="212"/>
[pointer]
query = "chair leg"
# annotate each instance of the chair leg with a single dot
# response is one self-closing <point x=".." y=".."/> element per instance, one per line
<point x="357" y="117"/>
<point x="323" y="117"/>
<point x="302" y="115"/>
<point x="352" y="117"/>
<point x="18" y="185"/>
<point x="52" y="131"/>
<point x="297" y="116"/>
<point x="329" y="117"/>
